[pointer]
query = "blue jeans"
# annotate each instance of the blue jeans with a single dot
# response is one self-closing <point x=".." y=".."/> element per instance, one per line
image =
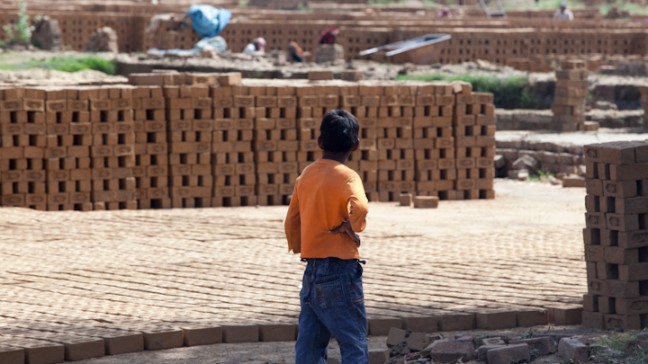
<point x="332" y="304"/>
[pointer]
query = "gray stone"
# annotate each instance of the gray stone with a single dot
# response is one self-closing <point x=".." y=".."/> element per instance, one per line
<point x="518" y="353"/>
<point x="519" y="174"/>
<point x="103" y="40"/>
<point x="540" y="346"/>
<point x="47" y="34"/>
<point x="484" y="349"/>
<point x="395" y="337"/>
<point x="526" y="162"/>
<point x="493" y="341"/>
<point x="573" y="349"/>
<point x="451" y="350"/>
<point x="500" y="162"/>
<point x="378" y="356"/>
<point x="417" y="341"/>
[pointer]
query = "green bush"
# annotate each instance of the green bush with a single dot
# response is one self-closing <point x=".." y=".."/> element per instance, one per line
<point x="20" y="31"/>
<point x="74" y="64"/>
<point x="508" y="93"/>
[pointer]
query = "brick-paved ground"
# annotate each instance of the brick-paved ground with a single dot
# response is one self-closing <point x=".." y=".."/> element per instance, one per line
<point x="60" y="271"/>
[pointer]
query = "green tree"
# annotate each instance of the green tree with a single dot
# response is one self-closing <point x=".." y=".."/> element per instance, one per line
<point x="20" y="31"/>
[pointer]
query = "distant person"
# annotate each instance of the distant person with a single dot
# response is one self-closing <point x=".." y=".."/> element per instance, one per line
<point x="295" y="52"/>
<point x="327" y="210"/>
<point x="444" y="13"/>
<point x="257" y="47"/>
<point x="329" y="36"/>
<point x="563" y="12"/>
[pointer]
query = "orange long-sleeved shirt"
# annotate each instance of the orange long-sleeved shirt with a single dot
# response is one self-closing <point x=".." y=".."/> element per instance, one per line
<point x="326" y="193"/>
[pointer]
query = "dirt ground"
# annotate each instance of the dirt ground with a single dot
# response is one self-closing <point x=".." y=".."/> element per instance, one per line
<point x="218" y="266"/>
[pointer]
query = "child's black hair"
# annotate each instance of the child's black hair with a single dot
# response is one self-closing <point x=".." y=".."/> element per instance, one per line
<point x="339" y="131"/>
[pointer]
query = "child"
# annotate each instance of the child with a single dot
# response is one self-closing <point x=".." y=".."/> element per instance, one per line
<point x="327" y="208"/>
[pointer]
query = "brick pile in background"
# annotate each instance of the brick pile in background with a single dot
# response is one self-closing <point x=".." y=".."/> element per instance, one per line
<point x="616" y="249"/>
<point x="198" y="140"/>
<point x="569" y="99"/>
<point x="644" y="105"/>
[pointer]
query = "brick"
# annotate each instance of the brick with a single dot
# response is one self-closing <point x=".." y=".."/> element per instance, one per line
<point x="516" y="353"/>
<point x="240" y="334"/>
<point x="12" y="355"/>
<point x="202" y="335"/>
<point x="396" y="336"/>
<point x="483" y="350"/>
<point x="446" y="351"/>
<point x="531" y="318"/>
<point x="426" y="202"/>
<point x="628" y="172"/>
<point x="43" y="352"/>
<point x="541" y="346"/>
<point x="405" y="199"/>
<point x="80" y="349"/>
<point x="382" y="326"/>
<point x="417" y="341"/>
<point x="421" y="324"/>
<point x="124" y="343"/>
<point x="277" y="332"/>
<point x="573" y="349"/>
<point x="457" y="322"/>
<point x="636" y="205"/>
<point x="624" y="189"/>
<point x="496" y="320"/>
<point x="378" y="356"/>
<point x="320" y="75"/>
<point x="566" y="315"/>
<point x="163" y="338"/>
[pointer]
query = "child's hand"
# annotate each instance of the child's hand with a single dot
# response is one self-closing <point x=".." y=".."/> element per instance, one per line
<point x="345" y="228"/>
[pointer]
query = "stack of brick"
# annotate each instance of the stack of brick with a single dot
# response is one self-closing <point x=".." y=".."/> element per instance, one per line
<point x="434" y="142"/>
<point x="68" y="158"/>
<point x="474" y="133"/>
<point x="189" y="136"/>
<point x="569" y="98"/>
<point x="177" y="140"/>
<point x="276" y="143"/>
<point x="363" y="102"/>
<point x="232" y="152"/>
<point x="23" y="141"/>
<point x="644" y="105"/>
<point x="113" y="148"/>
<point x="394" y="140"/>
<point x="616" y="250"/>
<point x="151" y="150"/>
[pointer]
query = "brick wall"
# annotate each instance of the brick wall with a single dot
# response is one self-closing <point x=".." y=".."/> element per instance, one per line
<point x="616" y="252"/>
<point x="524" y="43"/>
<point x="191" y="140"/>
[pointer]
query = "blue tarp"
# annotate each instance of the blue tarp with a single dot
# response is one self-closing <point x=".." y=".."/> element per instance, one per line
<point x="207" y="20"/>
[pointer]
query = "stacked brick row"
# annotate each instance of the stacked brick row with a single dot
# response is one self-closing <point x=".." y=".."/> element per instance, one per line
<point x="474" y="133"/>
<point x="112" y="150"/>
<point x="189" y="135"/>
<point x="362" y="101"/>
<point x="434" y="141"/>
<point x="199" y="141"/>
<point x="232" y="146"/>
<point x="644" y="105"/>
<point x="68" y="156"/>
<point x="23" y="142"/>
<point x="616" y="249"/>
<point x="151" y="149"/>
<point x="569" y="98"/>
<point x="276" y="143"/>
